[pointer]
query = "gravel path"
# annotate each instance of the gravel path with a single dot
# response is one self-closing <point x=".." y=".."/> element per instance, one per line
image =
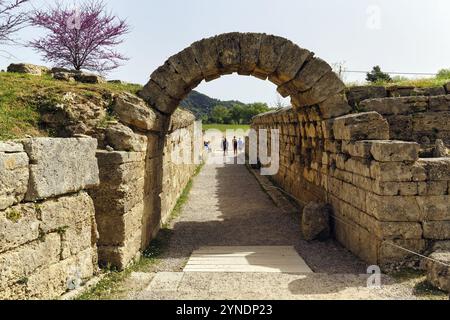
<point x="227" y="207"/>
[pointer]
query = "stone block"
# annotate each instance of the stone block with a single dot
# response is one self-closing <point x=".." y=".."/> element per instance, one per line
<point x="14" y="174"/>
<point x="60" y="166"/>
<point x="205" y="52"/>
<point x="270" y="53"/>
<point x="292" y="60"/>
<point x="21" y="262"/>
<point x="434" y="208"/>
<point x="229" y="52"/>
<point x="328" y="86"/>
<point x="18" y="225"/>
<point x="250" y="45"/>
<point x="158" y="99"/>
<point x="65" y="212"/>
<point x="396" y="106"/>
<point x="440" y="103"/>
<point x="397" y="171"/>
<point x="170" y="81"/>
<point x="77" y="238"/>
<point x="357" y="94"/>
<point x="432" y="188"/>
<point x="315" y="221"/>
<point x="120" y="257"/>
<point x="393" y="208"/>
<point x="391" y="250"/>
<point x="437" y="169"/>
<point x="310" y="74"/>
<point x="27" y="69"/>
<point x="334" y="106"/>
<point x="133" y="111"/>
<point x="447" y="88"/>
<point x="360" y="149"/>
<point x="10" y="147"/>
<point x="436" y="230"/>
<point x="430" y="121"/>
<point x="361" y="126"/>
<point x="438" y="269"/>
<point x="389" y="151"/>
<point x="122" y="138"/>
<point x="187" y="67"/>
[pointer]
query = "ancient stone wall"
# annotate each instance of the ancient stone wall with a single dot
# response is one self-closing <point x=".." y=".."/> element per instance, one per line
<point x="139" y="180"/>
<point x="382" y="194"/>
<point x="48" y="232"/>
<point x="414" y="114"/>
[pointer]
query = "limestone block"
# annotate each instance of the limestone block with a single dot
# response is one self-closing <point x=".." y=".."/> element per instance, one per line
<point x="14" y="174"/>
<point x="398" y="230"/>
<point x="438" y="270"/>
<point x="65" y="212"/>
<point x="122" y="138"/>
<point x="334" y="106"/>
<point x="56" y="279"/>
<point x="10" y="147"/>
<point x="437" y="169"/>
<point x="60" y="166"/>
<point x="116" y="230"/>
<point x="328" y="86"/>
<point x="27" y="69"/>
<point x="434" y="208"/>
<point x="118" y="157"/>
<point x="21" y="262"/>
<point x="360" y="149"/>
<point x="395" y="106"/>
<point x="292" y="60"/>
<point x="270" y="53"/>
<point x="401" y="127"/>
<point x="250" y="45"/>
<point x="76" y="239"/>
<point x="170" y="81"/>
<point x="361" y="126"/>
<point x="397" y="171"/>
<point x="134" y="112"/>
<point x="157" y="98"/>
<point x="389" y="150"/>
<point x="120" y="257"/>
<point x="229" y="52"/>
<point x="390" y="252"/>
<point x="432" y="188"/>
<point x="436" y="230"/>
<point x="393" y="208"/>
<point x="206" y="56"/>
<point x="310" y="74"/>
<point x="430" y="121"/>
<point x="18" y="225"/>
<point x="440" y="103"/>
<point x="357" y="94"/>
<point x="187" y="67"/>
<point x="315" y="221"/>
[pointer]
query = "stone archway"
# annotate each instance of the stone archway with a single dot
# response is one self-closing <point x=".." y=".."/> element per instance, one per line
<point x="308" y="80"/>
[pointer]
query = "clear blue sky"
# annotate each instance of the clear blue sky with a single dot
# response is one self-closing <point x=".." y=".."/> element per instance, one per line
<point x="398" y="35"/>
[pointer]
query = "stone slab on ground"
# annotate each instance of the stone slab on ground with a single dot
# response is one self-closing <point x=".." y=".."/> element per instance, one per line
<point x="247" y="259"/>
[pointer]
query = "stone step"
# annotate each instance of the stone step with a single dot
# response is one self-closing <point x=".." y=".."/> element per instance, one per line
<point x="268" y="286"/>
<point x="274" y="259"/>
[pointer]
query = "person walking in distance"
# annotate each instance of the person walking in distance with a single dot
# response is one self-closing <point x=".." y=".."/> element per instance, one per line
<point x="240" y="145"/>
<point x="225" y="146"/>
<point x="235" y="146"/>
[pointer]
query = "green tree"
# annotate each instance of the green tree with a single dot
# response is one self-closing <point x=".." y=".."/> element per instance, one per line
<point x="237" y="113"/>
<point x="376" y="75"/>
<point x="221" y="115"/>
<point x="443" y="74"/>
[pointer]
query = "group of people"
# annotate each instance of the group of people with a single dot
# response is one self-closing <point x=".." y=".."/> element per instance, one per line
<point x="238" y="145"/>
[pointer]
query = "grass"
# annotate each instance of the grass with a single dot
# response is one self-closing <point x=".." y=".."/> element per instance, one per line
<point x="111" y="284"/>
<point x="225" y="127"/>
<point x="21" y="97"/>
<point x="419" y="83"/>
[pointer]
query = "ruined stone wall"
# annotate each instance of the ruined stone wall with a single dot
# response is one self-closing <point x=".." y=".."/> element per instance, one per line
<point x="47" y="228"/>
<point x="382" y="194"/>
<point x="414" y="114"/>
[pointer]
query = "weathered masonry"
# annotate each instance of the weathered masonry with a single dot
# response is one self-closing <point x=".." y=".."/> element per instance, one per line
<point x="385" y="193"/>
<point x="99" y="194"/>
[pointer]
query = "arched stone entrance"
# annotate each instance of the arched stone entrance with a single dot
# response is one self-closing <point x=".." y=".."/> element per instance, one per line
<point x="308" y="80"/>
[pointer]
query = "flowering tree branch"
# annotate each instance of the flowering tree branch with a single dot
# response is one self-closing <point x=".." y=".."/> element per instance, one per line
<point x="12" y="19"/>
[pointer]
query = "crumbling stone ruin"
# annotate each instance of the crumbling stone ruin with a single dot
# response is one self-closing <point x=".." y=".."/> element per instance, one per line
<point x="365" y="152"/>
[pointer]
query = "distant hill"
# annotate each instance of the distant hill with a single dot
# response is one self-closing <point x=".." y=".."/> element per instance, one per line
<point x="201" y="105"/>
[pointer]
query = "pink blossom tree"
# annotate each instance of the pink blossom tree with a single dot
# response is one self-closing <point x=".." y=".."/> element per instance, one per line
<point x="12" y="19"/>
<point x="81" y="38"/>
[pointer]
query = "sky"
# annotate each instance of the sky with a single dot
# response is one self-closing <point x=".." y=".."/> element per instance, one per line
<point x="398" y="35"/>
